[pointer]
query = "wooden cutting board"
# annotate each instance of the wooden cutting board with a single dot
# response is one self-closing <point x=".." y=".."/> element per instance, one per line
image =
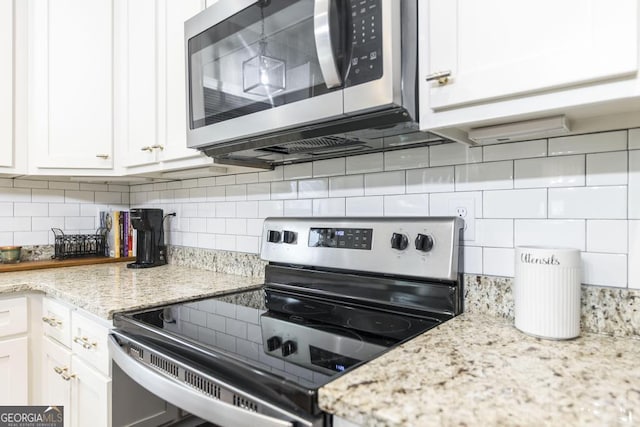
<point x="53" y="263"/>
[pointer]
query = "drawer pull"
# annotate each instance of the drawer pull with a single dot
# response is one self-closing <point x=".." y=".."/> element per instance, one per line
<point x="85" y="342"/>
<point x="102" y="156"/>
<point x="52" y="321"/>
<point x="59" y="370"/>
<point x="442" y="77"/>
<point x="158" y="146"/>
<point x="147" y="148"/>
<point x="67" y="377"/>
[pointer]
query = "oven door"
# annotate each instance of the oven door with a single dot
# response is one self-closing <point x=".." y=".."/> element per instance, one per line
<point x="255" y="67"/>
<point x="191" y="389"/>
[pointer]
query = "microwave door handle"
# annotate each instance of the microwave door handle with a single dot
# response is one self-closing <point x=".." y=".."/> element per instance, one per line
<point x="322" y="35"/>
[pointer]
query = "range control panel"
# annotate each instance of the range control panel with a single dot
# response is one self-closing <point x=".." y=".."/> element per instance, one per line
<point x="425" y="247"/>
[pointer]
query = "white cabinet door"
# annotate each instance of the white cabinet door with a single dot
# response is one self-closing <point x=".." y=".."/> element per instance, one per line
<point x="6" y="85"/>
<point x="71" y="84"/>
<point x="14" y="375"/>
<point x="502" y="48"/>
<point x="56" y="377"/>
<point x="90" y="396"/>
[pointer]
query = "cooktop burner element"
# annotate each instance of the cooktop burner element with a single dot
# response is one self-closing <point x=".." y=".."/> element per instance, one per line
<point x="379" y="323"/>
<point x="338" y="292"/>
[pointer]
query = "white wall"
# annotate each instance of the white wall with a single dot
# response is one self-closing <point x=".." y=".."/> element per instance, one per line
<point x="579" y="191"/>
<point x="30" y="208"/>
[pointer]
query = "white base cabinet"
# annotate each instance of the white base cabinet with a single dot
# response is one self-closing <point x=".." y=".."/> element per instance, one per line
<point x="14" y="352"/>
<point x="507" y="60"/>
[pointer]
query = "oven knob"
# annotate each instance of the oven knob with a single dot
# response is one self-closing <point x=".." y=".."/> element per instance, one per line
<point x="424" y="242"/>
<point x="399" y="241"/>
<point x="289" y="347"/>
<point x="289" y="236"/>
<point x="273" y="236"/>
<point x="274" y="343"/>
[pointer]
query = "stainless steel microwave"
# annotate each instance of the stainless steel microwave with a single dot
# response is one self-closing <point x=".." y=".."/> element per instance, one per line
<point x="279" y="81"/>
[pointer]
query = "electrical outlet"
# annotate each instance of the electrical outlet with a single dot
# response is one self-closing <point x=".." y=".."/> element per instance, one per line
<point x="465" y="209"/>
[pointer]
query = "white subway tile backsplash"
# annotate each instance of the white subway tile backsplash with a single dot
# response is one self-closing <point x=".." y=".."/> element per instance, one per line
<point x="190" y="183"/>
<point x="298" y="207"/>
<point x="590" y="143"/>
<point x="431" y="180"/>
<point x="225" y="242"/>
<point x="15" y="224"/>
<point x="498" y="262"/>
<point x="607" y="168"/>
<point x="472" y="262"/>
<point x="384" y="183"/>
<point x="329" y="167"/>
<point x="61" y="185"/>
<point x="588" y="202"/>
<point x="30" y="209"/>
<point x="16" y="195"/>
<point x="190" y="210"/>
<point x="608" y="236"/>
<point x="329" y="207"/>
<point x="634" y="254"/>
<point x="64" y="209"/>
<point x="313" y="188"/>
<point x="406" y="205"/>
<point x="90" y="186"/>
<point x="250" y="244"/>
<point x="484" y="176"/>
<point x="6" y="183"/>
<point x="225" y="210"/>
<point x="29" y="183"/>
<point x="516" y="150"/>
<point x="236" y="226"/>
<point x="366" y="163"/>
<point x="277" y="174"/>
<point x="604" y="269"/>
<point x="6" y="237"/>
<point x="198" y="194"/>
<point x="108" y="197"/>
<point x="6" y="209"/>
<point x="564" y="171"/>
<point x="553" y="233"/>
<point x="79" y="223"/>
<point x="406" y="159"/>
<point x="247" y="209"/>
<point x="225" y="180"/>
<point x="235" y="192"/>
<point x="48" y="196"/>
<point x="270" y="208"/>
<point x="298" y="171"/>
<point x="245" y="178"/>
<point x="180" y="194"/>
<point x="634" y="184"/>
<point x="284" y="190"/>
<point x="493" y="233"/>
<point x="454" y="154"/>
<point x="47" y="223"/>
<point x="206" y="210"/>
<point x="515" y="203"/>
<point x="261" y="191"/>
<point x="118" y="188"/>
<point x="30" y="237"/>
<point x="634" y="139"/>
<point x="79" y="196"/>
<point x="216" y="225"/>
<point x="198" y="225"/>
<point x="209" y="181"/>
<point x="254" y="226"/>
<point x="365" y="206"/>
<point x="346" y="186"/>
<point x="206" y="240"/>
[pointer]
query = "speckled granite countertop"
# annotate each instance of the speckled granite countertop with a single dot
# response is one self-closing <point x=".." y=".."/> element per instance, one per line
<point x="110" y="288"/>
<point x="480" y="370"/>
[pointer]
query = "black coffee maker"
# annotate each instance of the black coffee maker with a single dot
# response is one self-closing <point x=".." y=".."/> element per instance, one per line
<point x="150" y="249"/>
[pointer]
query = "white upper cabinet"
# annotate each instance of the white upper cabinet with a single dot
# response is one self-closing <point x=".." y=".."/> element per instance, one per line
<point x="498" y="53"/>
<point x="150" y="82"/>
<point x="6" y="84"/>
<point x="71" y="85"/>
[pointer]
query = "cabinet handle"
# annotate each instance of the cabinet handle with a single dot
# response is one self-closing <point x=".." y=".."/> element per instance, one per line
<point x="59" y="370"/>
<point x="85" y="342"/>
<point x="146" y="148"/>
<point x="102" y="156"/>
<point x="158" y="146"/>
<point x="67" y="377"/>
<point x="442" y="77"/>
<point x="52" y="321"/>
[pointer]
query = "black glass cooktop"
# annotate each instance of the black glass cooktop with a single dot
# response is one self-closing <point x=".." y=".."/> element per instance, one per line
<point x="306" y="340"/>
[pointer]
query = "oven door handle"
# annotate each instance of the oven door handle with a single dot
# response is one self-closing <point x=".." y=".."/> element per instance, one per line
<point x="187" y="398"/>
<point x="324" y="47"/>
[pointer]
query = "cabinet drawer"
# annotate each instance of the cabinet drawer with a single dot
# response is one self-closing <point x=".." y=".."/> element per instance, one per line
<point x="56" y="318"/>
<point x="13" y="316"/>
<point x="89" y="341"/>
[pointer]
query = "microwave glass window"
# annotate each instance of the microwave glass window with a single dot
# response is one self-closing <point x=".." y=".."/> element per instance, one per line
<point x="260" y="58"/>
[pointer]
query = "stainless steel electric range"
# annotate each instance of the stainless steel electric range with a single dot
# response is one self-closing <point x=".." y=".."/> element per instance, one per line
<point x="338" y="292"/>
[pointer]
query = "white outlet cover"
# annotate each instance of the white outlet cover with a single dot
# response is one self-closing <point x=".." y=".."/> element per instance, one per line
<point x="465" y="209"/>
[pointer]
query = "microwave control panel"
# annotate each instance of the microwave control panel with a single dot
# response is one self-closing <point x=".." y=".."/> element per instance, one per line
<point x="365" y="63"/>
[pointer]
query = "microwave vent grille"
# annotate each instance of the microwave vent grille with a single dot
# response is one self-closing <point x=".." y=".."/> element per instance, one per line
<point x="315" y="145"/>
